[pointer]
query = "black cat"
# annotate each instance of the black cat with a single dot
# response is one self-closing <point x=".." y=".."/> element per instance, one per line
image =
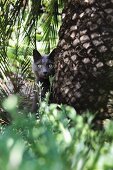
<point x="43" y="68"/>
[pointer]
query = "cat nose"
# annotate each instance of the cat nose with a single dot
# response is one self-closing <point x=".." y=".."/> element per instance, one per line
<point x="45" y="72"/>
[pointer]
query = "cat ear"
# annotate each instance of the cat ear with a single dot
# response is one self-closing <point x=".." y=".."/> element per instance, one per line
<point x="52" y="54"/>
<point x="36" y="55"/>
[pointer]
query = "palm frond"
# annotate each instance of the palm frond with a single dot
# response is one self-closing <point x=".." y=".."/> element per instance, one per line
<point x="24" y="25"/>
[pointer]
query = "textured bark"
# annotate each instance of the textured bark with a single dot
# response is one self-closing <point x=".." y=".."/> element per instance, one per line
<point x="84" y="76"/>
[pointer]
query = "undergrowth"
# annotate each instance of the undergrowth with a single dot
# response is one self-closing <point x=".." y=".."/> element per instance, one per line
<point x="59" y="140"/>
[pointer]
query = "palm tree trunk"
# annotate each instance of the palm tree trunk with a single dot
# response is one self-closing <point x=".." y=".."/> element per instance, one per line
<point x="83" y="60"/>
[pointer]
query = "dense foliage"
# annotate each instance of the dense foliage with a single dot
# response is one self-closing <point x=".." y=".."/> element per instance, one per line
<point x="54" y="141"/>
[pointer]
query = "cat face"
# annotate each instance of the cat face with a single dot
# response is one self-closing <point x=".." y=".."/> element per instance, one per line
<point x="43" y="66"/>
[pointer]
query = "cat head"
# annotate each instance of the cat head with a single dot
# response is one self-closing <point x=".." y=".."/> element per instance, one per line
<point x="43" y="65"/>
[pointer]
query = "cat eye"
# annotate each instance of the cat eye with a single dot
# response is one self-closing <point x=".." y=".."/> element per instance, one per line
<point x="50" y="65"/>
<point x="39" y="65"/>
